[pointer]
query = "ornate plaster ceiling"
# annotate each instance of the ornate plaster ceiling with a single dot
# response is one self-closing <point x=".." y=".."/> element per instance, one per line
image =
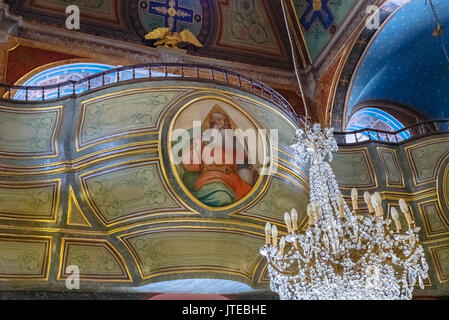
<point x="405" y="64"/>
<point x="249" y="31"/>
<point x="90" y="182"/>
<point x="320" y="20"/>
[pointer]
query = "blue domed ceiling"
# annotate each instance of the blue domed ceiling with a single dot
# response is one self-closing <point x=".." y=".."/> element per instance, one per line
<point x="406" y="64"/>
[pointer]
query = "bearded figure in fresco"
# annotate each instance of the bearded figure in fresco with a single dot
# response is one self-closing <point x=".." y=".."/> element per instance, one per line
<point x="218" y="183"/>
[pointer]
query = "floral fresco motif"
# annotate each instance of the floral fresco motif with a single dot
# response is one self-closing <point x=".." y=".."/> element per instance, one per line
<point x="163" y="252"/>
<point x="28" y="133"/>
<point x="281" y="197"/>
<point x="246" y="25"/>
<point x="96" y="259"/>
<point x="353" y="169"/>
<point x="119" y="115"/>
<point x="33" y="201"/>
<point x="22" y="257"/>
<point x="128" y="192"/>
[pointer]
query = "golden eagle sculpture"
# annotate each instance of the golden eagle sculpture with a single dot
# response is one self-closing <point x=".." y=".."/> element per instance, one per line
<point x="172" y="39"/>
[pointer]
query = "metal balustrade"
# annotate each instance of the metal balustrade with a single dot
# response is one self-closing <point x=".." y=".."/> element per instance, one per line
<point x="144" y="72"/>
<point x="177" y="71"/>
<point x="416" y="131"/>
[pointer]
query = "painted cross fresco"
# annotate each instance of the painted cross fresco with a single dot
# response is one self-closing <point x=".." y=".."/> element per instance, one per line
<point x="172" y="13"/>
<point x="317" y="9"/>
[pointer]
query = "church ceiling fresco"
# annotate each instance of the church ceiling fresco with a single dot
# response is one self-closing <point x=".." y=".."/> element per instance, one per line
<point x="96" y="259"/>
<point x="339" y="110"/>
<point x="320" y="20"/>
<point x="249" y="31"/>
<point x="246" y="25"/>
<point x="116" y="210"/>
<point x="25" y="257"/>
<point x="177" y="15"/>
<point x="405" y="64"/>
<point x="109" y="12"/>
<point x="216" y="114"/>
<point x="39" y="130"/>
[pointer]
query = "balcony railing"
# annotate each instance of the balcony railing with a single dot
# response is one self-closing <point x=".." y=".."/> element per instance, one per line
<point x="144" y="72"/>
<point x="177" y="71"/>
<point x="387" y="137"/>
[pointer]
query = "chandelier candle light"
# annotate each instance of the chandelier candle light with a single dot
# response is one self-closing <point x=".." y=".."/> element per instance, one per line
<point x="342" y="254"/>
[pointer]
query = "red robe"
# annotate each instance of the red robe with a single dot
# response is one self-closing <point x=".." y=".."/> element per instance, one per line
<point x="216" y="172"/>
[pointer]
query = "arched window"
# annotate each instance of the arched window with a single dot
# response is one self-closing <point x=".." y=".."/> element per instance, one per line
<point x="374" y="118"/>
<point x="59" y="74"/>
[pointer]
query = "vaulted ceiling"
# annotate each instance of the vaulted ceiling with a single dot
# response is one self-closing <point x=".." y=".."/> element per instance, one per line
<point x="405" y="64"/>
<point x="249" y="31"/>
<point x="320" y="21"/>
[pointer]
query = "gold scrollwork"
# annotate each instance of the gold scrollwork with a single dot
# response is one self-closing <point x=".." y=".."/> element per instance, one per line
<point x="102" y="262"/>
<point x="390" y="183"/>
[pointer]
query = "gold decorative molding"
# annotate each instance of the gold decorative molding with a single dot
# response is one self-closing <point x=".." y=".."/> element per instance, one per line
<point x="97" y="260"/>
<point x="400" y="183"/>
<point x="35" y="201"/>
<point x="118" y="129"/>
<point x="173" y="206"/>
<point x="132" y="149"/>
<point x="143" y="224"/>
<point x="419" y="181"/>
<point x="25" y="258"/>
<point x="441" y="271"/>
<point x="222" y="233"/>
<point x="444" y="185"/>
<point x="275" y="202"/>
<point x="75" y="216"/>
<point x="14" y="131"/>
<point x="300" y="41"/>
<point x="409" y="196"/>
<point x="426" y="215"/>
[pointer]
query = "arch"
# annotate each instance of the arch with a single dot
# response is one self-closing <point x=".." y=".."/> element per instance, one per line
<point x="353" y="59"/>
<point x="374" y="118"/>
<point x="442" y="185"/>
<point x="59" y="72"/>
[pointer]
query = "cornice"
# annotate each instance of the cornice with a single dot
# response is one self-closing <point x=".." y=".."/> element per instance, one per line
<point x="138" y="53"/>
<point x="9" y="23"/>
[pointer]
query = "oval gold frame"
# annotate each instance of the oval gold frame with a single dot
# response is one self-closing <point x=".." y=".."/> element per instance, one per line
<point x="266" y="170"/>
<point x="445" y="185"/>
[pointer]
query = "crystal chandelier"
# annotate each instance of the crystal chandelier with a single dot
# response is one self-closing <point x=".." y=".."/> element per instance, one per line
<point x="342" y="254"/>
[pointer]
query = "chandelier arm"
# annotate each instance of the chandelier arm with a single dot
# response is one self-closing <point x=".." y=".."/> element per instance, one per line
<point x="272" y="265"/>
